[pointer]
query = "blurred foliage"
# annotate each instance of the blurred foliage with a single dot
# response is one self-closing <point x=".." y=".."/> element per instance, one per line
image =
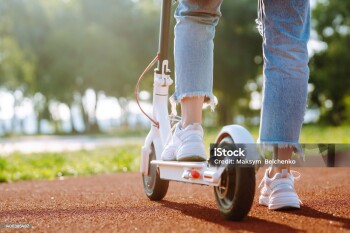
<point x="81" y="44"/>
<point x="60" y="48"/>
<point x="237" y="43"/>
<point x="16" y="66"/>
<point x="309" y="134"/>
<point x="330" y="68"/>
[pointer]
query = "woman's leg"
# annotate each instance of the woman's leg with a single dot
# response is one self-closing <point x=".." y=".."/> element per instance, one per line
<point x="193" y="50"/>
<point x="286" y="29"/>
<point x="191" y="110"/>
<point x="194" y="34"/>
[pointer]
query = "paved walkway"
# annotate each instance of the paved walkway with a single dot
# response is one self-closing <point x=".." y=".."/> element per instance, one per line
<point x="31" y="144"/>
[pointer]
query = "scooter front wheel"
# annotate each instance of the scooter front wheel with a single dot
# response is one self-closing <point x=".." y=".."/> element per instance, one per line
<point x="154" y="187"/>
<point x="235" y="194"/>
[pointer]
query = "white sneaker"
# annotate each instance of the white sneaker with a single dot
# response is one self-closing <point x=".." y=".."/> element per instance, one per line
<point x="278" y="192"/>
<point x="186" y="144"/>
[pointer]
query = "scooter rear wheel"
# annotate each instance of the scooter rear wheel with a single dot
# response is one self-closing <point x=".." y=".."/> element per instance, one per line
<point x="154" y="187"/>
<point x="235" y="195"/>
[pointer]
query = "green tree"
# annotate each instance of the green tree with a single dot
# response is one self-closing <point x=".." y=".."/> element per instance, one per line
<point x="83" y="44"/>
<point x="237" y="43"/>
<point x="16" y="66"/>
<point x="330" y="68"/>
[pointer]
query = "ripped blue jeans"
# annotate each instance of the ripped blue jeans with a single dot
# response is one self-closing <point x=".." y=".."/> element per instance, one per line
<point x="285" y="28"/>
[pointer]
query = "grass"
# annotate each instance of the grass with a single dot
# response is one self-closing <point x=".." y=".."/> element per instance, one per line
<point x="124" y="158"/>
<point x="79" y="163"/>
<point x="309" y="134"/>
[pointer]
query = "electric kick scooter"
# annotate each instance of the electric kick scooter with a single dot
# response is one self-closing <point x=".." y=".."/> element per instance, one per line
<point x="234" y="187"/>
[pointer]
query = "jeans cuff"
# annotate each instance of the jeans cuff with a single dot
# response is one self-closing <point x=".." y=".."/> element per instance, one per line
<point x="268" y="146"/>
<point x="209" y="100"/>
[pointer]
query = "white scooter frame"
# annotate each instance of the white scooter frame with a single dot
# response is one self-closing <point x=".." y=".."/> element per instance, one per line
<point x="183" y="171"/>
<point x="233" y="187"/>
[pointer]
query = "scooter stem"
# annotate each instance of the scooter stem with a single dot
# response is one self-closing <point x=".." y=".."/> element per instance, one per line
<point x="164" y="35"/>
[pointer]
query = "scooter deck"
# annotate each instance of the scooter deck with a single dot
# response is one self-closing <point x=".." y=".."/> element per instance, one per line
<point x="191" y="172"/>
<point x="180" y="164"/>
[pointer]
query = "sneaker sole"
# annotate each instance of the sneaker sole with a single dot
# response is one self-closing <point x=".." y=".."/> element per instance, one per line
<point x="191" y="158"/>
<point x="191" y="153"/>
<point x="166" y="159"/>
<point x="264" y="201"/>
<point x="284" y="206"/>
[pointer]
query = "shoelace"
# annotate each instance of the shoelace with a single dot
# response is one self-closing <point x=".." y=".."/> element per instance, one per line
<point x="174" y="119"/>
<point x="296" y="175"/>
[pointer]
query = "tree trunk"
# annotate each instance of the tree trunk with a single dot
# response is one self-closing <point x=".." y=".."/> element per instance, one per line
<point x="38" y="125"/>
<point x="85" y="117"/>
<point x="2" y="128"/>
<point x="225" y="113"/>
<point x="94" y="127"/>
<point x="74" y="131"/>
